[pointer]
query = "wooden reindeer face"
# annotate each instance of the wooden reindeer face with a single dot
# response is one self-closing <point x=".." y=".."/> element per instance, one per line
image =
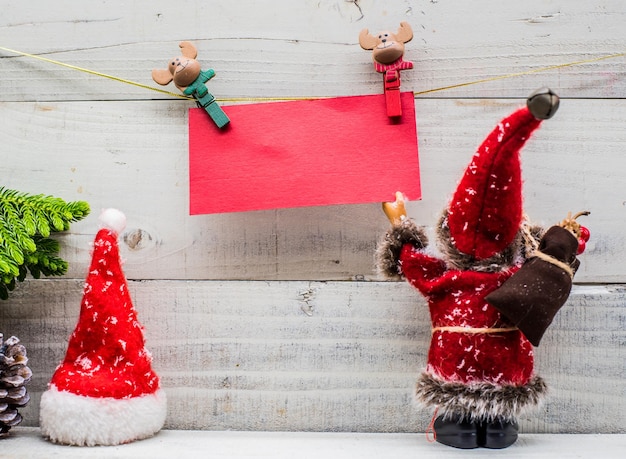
<point x="387" y="47"/>
<point x="183" y="70"/>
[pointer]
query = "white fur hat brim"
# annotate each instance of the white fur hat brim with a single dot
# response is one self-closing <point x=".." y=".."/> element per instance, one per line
<point x="78" y="420"/>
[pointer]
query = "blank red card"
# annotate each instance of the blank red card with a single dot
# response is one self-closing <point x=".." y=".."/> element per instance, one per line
<point x="320" y="152"/>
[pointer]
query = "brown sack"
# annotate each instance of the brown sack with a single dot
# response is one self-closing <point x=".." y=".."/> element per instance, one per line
<point x="533" y="295"/>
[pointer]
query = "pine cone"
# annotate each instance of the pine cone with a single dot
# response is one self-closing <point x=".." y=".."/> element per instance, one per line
<point x="14" y="375"/>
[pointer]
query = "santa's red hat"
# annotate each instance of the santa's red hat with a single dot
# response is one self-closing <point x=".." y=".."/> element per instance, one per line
<point x="105" y="391"/>
<point x="486" y="210"/>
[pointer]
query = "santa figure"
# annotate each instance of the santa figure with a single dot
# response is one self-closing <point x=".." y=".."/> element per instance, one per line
<point x="479" y="375"/>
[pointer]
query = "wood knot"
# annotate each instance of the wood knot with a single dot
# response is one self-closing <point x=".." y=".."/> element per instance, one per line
<point x="137" y="239"/>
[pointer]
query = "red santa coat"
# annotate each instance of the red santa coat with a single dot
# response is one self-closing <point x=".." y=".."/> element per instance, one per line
<point x="479" y="366"/>
<point x="471" y="341"/>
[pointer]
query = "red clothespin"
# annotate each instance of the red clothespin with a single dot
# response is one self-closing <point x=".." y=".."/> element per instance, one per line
<point x="387" y="52"/>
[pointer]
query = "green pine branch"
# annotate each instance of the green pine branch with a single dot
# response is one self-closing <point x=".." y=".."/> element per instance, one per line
<point x="26" y="223"/>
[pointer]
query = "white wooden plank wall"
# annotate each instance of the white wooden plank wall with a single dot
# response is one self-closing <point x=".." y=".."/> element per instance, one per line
<point x="328" y="356"/>
<point x="276" y="320"/>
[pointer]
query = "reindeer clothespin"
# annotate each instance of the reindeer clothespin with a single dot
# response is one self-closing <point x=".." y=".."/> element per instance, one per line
<point x="387" y="52"/>
<point x="187" y="75"/>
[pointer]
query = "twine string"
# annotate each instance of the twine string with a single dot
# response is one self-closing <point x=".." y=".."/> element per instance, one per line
<point x="431" y="434"/>
<point x="531" y="244"/>
<point x="473" y="331"/>
<point x="93" y="72"/>
<point x="270" y="99"/>
<point x="558" y="263"/>
<point x="526" y="72"/>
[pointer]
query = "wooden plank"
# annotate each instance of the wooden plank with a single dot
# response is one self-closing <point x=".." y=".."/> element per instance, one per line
<point x="321" y="356"/>
<point x="27" y="443"/>
<point x="310" y="48"/>
<point x="133" y="155"/>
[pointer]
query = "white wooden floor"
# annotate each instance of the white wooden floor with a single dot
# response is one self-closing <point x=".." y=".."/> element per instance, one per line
<point x="26" y="442"/>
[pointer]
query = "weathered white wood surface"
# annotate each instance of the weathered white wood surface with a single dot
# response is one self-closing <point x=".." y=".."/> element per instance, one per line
<point x="310" y="48"/>
<point x="27" y="443"/>
<point x="269" y="354"/>
<point x="133" y="155"/>
<point x="323" y="356"/>
<point x="131" y="152"/>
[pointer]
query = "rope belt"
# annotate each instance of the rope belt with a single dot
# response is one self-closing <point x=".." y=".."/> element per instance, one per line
<point x="564" y="266"/>
<point x="474" y="331"/>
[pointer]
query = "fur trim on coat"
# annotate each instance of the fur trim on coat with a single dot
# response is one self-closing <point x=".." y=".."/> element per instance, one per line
<point x="389" y="248"/>
<point x="479" y="402"/>
<point x="526" y="239"/>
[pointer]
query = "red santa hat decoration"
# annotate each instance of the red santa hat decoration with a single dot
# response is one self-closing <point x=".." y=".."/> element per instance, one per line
<point x="486" y="210"/>
<point x="105" y="391"/>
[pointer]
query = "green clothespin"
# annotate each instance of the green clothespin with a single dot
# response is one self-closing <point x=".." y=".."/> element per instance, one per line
<point x="187" y="75"/>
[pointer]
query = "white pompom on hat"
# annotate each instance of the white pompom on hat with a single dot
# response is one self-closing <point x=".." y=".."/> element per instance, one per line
<point x="113" y="219"/>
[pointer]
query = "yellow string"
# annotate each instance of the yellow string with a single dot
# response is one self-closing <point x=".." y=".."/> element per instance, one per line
<point x="93" y="72"/>
<point x="293" y="98"/>
<point x="271" y="99"/>
<point x="527" y="72"/>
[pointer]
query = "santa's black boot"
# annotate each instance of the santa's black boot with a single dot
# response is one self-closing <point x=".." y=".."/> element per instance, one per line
<point x="499" y="434"/>
<point x="456" y="432"/>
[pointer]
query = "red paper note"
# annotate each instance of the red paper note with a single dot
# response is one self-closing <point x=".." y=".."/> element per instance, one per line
<point x="342" y="150"/>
